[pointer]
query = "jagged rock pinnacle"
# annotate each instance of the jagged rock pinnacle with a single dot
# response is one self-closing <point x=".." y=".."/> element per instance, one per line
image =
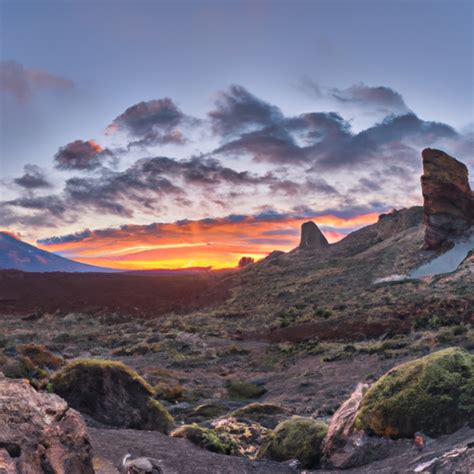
<point x="312" y="237"/>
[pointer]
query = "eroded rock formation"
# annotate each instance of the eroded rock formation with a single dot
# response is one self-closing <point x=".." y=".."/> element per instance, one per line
<point x="312" y="237"/>
<point x="40" y="433"/>
<point x="448" y="199"/>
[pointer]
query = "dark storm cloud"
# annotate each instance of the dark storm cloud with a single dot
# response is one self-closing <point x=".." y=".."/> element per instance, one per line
<point x="199" y="171"/>
<point x="237" y="111"/>
<point x="319" y="140"/>
<point x="397" y="128"/>
<point x="380" y="99"/>
<point x="33" y="178"/>
<point x="156" y="122"/>
<point x="53" y="204"/>
<point x="146" y="186"/>
<point x="120" y="193"/>
<point x="272" y="145"/>
<point x="22" y="82"/>
<point x="9" y="217"/>
<point x="81" y="155"/>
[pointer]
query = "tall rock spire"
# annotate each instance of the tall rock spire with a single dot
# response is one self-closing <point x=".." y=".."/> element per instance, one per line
<point x="312" y="237"/>
<point x="448" y="200"/>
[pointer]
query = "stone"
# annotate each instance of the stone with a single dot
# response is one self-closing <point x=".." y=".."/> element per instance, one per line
<point x="345" y="446"/>
<point x="448" y="199"/>
<point x="312" y="237"/>
<point x="39" y="432"/>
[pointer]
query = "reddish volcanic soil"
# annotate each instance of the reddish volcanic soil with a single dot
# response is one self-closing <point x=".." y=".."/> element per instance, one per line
<point x="145" y="296"/>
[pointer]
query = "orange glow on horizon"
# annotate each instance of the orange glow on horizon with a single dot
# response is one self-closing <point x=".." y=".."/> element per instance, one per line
<point x="217" y="243"/>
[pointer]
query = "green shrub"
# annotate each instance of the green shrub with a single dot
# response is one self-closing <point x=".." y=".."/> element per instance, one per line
<point x="170" y="392"/>
<point x="40" y="356"/>
<point x="434" y="394"/>
<point x="205" y="438"/>
<point x="297" y="438"/>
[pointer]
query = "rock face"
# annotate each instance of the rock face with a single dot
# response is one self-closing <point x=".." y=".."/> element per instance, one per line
<point x="111" y="393"/>
<point x="312" y="237"/>
<point x="39" y="433"/>
<point x="345" y="446"/>
<point x="448" y="199"/>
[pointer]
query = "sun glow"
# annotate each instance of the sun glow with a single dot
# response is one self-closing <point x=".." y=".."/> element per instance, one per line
<point x="217" y="243"/>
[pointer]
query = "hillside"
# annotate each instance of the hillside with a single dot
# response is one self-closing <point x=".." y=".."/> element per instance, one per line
<point x="18" y="255"/>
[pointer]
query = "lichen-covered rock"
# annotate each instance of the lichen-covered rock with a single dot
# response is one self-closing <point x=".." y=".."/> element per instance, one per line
<point x="433" y="394"/>
<point x="111" y="393"/>
<point x="448" y="199"/>
<point x="40" y="433"/>
<point x="246" y="435"/>
<point x="297" y="438"/>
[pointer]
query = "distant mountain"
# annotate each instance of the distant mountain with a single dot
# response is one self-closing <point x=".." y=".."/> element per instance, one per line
<point x="18" y="255"/>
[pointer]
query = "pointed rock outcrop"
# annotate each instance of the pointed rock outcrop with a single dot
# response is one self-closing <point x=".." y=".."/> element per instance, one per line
<point x="312" y="237"/>
<point x="448" y="200"/>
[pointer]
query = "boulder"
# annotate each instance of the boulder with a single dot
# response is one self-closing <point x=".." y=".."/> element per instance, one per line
<point x="448" y="199"/>
<point x="39" y="433"/>
<point x="311" y="237"/>
<point x="341" y="425"/>
<point x="346" y="446"/>
<point x="297" y="438"/>
<point x="111" y="393"/>
<point x="433" y="394"/>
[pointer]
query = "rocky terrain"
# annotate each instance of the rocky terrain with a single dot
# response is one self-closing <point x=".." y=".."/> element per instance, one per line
<point x="325" y="358"/>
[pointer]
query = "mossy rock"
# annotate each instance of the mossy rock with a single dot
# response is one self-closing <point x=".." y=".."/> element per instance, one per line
<point x="297" y="438"/>
<point x="205" y="438"/>
<point x="434" y="394"/>
<point x="112" y="393"/>
<point x="243" y="390"/>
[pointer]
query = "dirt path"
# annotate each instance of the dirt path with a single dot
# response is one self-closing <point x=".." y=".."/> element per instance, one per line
<point x="178" y="456"/>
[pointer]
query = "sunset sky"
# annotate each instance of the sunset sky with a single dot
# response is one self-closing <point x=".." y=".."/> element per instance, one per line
<point x="140" y="134"/>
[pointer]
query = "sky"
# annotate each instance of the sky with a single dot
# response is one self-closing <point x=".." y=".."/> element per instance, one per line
<point x="163" y="134"/>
